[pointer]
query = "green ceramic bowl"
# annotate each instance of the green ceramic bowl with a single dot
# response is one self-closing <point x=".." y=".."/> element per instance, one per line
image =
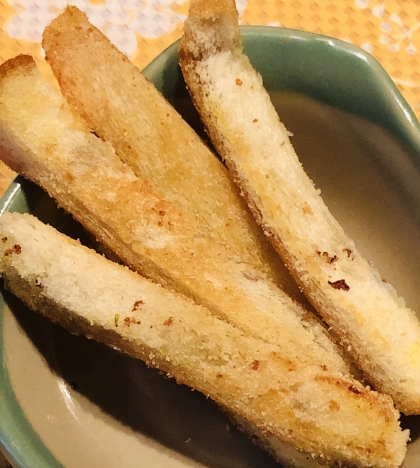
<point x="67" y="401"/>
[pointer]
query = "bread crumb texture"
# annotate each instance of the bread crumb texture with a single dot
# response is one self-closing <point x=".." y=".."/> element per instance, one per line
<point x="319" y="412"/>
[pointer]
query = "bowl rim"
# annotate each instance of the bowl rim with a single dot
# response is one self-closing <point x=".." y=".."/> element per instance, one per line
<point x="19" y="442"/>
<point x="406" y="125"/>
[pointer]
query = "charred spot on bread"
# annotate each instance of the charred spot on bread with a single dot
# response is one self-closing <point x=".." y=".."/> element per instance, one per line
<point x="16" y="249"/>
<point x="339" y="284"/>
<point x="137" y="305"/>
<point x="131" y="320"/>
<point x="329" y="258"/>
<point x="348" y="252"/>
<point x="354" y="390"/>
<point x="255" y="364"/>
<point x="168" y="321"/>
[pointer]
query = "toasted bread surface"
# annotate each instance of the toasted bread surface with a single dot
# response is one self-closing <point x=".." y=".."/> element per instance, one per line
<point x="47" y="142"/>
<point x="156" y="142"/>
<point x="381" y="333"/>
<point x="320" y="412"/>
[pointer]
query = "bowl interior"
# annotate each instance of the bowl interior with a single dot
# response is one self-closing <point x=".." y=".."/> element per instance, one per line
<point x="68" y="401"/>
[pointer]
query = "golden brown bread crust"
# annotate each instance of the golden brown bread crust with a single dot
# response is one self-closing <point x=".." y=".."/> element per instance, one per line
<point x="314" y="410"/>
<point x="382" y="334"/>
<point x="156" y="142"/>
<point x="51" y="145"/>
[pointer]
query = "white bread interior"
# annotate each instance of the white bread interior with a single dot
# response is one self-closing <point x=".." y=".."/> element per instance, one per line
<point x="380" y="332"/>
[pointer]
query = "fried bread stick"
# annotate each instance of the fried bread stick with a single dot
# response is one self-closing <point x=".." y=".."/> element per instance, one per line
<point x="380" y="332"/>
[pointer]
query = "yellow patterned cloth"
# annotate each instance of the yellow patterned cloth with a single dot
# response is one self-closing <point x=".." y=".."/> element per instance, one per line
<point x="388" y="29"/>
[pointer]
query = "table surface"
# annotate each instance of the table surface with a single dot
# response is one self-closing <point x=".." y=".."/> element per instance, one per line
<point x="388" y="29"/>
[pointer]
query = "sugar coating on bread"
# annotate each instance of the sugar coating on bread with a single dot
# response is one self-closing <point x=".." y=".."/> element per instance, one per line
<point x="320" y="412"/>
<point x="382" y="334"/>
